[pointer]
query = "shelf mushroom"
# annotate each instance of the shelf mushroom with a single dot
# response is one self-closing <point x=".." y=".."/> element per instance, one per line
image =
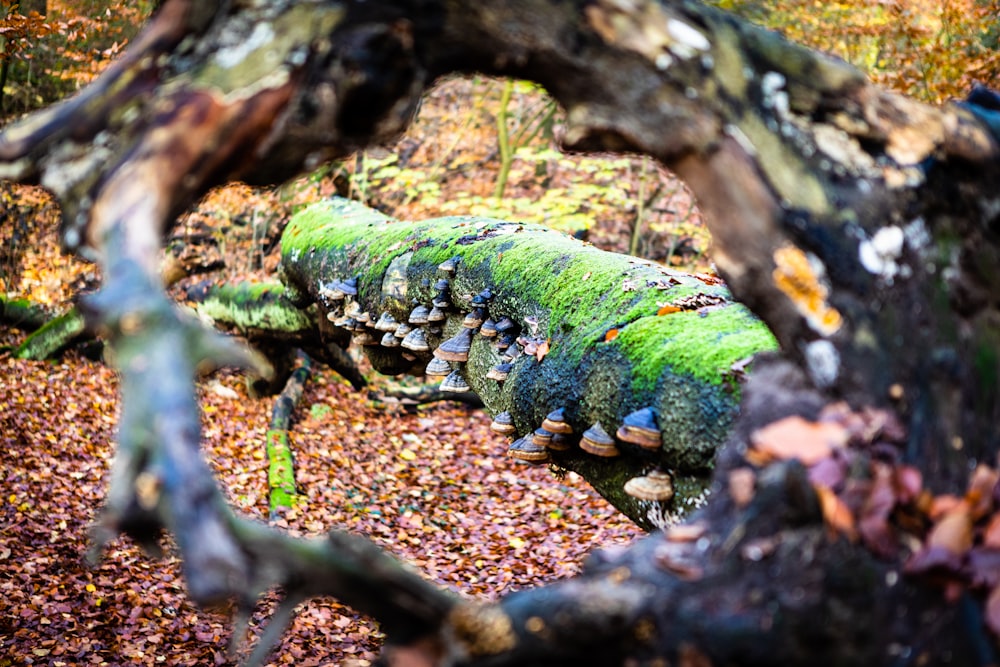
<point x="596" y="441"/>
<point x="655" y="485"/>
<point x="639" y="428"/>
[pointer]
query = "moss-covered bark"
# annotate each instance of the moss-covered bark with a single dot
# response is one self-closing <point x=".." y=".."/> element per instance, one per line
<point x="611" y="334"/>
<point x="23" y="313"/>
<point x="281" y="460"/>
<point x="52" y="336"/>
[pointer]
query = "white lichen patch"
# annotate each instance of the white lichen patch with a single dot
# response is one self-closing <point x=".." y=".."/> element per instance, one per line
<point x="879" y="254"/>
<point x="647" y="29"/>
<point x="233" y="55"/>
<point x="822" y="362"/>
<point x="772" y="86"/>
<point x="685" y="41"/>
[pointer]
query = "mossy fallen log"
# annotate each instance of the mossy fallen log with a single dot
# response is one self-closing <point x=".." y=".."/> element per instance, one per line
<point x="628" y="365"/>
<point x="261" y="313"/>
<point x="23" y="313"/>
<point x="281" y="461"/>
<point x="53" y="336"/>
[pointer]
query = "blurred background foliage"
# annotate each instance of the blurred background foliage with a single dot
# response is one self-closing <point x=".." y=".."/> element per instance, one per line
<point x="490" y="147"/>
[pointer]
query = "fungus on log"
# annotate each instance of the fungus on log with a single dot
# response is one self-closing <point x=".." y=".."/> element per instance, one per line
<point x="599" y="336"/>
<point x="858" y="224"/>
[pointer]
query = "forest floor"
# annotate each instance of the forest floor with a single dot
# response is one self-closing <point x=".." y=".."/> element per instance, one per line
<point x="432" y="487"/>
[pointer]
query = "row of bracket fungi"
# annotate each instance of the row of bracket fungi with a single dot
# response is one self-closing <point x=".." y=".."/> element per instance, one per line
<point x="411" y="337"/>
<point x="556" y="435"/>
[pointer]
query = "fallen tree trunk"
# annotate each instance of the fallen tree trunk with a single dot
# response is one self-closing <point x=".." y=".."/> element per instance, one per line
<point x="539" y="324"/>
<point x="281" y="460"/>
<point x="859" y="225"/>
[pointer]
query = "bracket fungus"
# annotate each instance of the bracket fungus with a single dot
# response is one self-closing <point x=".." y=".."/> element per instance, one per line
<point x="556" y="422"/>
<point x="455" y="382"/>
<point x="503" y="424"/>
<point x="386" y="322"/>
<point x="655" y="485"/>
<point x="457" y="347"/>
<point x="419" y="315"/>
<point x="438" y="368"/>
<point x="524" y="449"/>
<point x="416" y="340"/>
<point x="639" y="428"/>
<point x="596" y="441"/>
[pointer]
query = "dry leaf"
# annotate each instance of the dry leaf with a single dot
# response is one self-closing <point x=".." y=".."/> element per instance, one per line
<point x="543" y="349"/>
<point x="797" y="438"/>
<point x="836" y="514"/>
<point x="953" y="532"/>
<point x="991" y="536"/>
<point x="742" y="484"/>
<point x="668" y="309"/>
<point x="993" y="611"/>
<point x="980" y="493"/>
<point x="611" y="335"/>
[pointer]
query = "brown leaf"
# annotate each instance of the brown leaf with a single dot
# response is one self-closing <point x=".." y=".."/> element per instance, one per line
<point x="742" y="484"/>
<point x="873" y="523"/>
<point x="798" y="438"/>
<point x="980" y="493"/>
<point x="836" y="514"/>
<point x="991" y="535"/>
<point x="953" y="531"/>
<point x="993" y="611"/>
<point x="543" y="349"/>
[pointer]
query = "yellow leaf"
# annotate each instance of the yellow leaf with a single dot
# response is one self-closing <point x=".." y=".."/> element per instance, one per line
<point x="516" y="542"/>
<point x="407" y="455"/>
<point x="91" y="588"/>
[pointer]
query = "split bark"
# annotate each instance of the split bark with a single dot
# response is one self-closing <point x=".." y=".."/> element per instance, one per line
<point x="859" y="225"/>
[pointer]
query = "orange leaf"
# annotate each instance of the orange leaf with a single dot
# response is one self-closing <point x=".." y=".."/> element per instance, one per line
<point x="991" y="536"/>
<point x="797" y="438"/>
<point x="667" y="309"/>
<point x="836" y="513"/>
<point x="980" y="493"/>
<point x="611" y="335"/>
<point x="953" y="532"/>
<point x="542" y="350"/>
<point x="993" y="611"/>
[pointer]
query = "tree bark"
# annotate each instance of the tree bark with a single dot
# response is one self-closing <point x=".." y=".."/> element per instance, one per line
<point x="859" y="225"/>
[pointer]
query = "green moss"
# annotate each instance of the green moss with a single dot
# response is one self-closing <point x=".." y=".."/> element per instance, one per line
<point x="255" y="306"/>
<point x="280" y="472"/>
<point x="704" y="346"/>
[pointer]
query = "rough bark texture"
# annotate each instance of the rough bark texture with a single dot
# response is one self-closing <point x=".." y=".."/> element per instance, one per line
<point x="859" y="225"/>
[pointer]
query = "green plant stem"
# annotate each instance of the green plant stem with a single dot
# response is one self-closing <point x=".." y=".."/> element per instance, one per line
<point x="503" y="140"/>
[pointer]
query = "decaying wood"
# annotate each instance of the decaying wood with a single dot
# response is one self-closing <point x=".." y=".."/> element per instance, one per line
<point x="537" y="324"/>
<point x="858" y="224"/>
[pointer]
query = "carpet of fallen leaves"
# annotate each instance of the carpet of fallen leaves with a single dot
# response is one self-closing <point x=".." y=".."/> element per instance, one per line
<point x="433" y="488"/>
